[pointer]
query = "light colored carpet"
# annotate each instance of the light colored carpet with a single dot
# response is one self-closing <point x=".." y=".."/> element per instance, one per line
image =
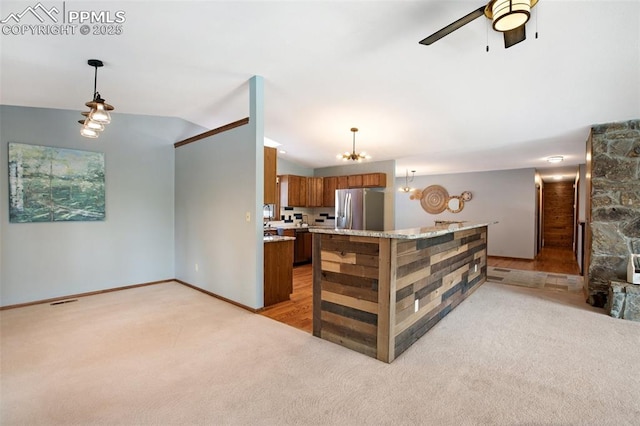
<point x="169" y="355"/>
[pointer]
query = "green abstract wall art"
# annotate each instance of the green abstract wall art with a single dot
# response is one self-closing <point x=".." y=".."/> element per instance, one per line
<point x="48" y="184"/>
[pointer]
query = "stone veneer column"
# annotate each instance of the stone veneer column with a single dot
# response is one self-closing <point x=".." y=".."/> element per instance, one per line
<point x="613" y="209"/>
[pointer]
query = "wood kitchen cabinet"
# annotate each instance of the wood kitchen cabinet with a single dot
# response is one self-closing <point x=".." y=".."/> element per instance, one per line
<point x="368" y="180"/>
<point x="342" y="182"/>
<point x="302" y="247"/>
<point x="329" y="186"/>
<point x="374" y="180"/>
<point x="293" y="191"/>
<point x="270" y="167"/>
<point x="314" y="191"/>
<point x="278" y="272"/>
<point x="354" y="181"/>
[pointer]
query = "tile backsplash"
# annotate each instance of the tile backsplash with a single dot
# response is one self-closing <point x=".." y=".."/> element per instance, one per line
<point x="313" y="216"/>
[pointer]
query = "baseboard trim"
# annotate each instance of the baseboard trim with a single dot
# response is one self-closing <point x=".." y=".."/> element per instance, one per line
<point x="90" y="293"/>
<point x="217" y="296"/>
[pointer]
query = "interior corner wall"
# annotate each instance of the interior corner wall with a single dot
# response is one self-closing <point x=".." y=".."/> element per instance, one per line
<point x="387" y="167"/>
<point x="215" y="188"/>
<point x="506" y="196"/>
<point x="135" y="242"/>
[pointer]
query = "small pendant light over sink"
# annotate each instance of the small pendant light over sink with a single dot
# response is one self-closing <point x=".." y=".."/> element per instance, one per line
<point x="98" y="115"/>
<point x="353" y="155"/>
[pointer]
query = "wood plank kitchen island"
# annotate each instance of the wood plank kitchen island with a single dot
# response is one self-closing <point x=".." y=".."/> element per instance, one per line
<point x="378" y="292"/>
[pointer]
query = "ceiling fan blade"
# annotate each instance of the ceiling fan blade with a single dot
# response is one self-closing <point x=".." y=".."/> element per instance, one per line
<point x="514" y="36"/>
<point x="453" y="26"/>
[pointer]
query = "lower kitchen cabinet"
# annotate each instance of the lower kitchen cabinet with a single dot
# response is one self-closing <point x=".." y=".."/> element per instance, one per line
<point x="278" y="271"/>
<point x="302" y="247"/>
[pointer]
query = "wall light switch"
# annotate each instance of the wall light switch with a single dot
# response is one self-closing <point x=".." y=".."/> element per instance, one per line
<point x="416" y="305"/>
<point x="247" y="216"/>
<point x="196" y="267"/>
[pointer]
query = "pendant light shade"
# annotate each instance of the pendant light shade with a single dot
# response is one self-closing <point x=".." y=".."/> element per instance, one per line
<point x="88" y="132"/>
<point x="99" y="112"/>
<point x="98" y="115"/>
<point x="510" y="14"/>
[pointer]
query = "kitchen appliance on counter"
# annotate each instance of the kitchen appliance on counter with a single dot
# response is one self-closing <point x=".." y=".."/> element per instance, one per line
<point x="633" y="270"/>
<point x="359" y="209"/>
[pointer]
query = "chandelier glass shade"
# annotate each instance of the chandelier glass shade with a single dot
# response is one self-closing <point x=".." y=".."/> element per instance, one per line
<point x="353" y="156"/>
<point x="510" y="14"/>
<point x="98" y="114"/>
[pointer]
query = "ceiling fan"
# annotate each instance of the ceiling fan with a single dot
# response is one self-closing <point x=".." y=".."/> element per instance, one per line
<point x="507" y="17"/>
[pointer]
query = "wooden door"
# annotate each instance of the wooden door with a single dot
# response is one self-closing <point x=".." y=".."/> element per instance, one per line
<point x="557" y="207"/>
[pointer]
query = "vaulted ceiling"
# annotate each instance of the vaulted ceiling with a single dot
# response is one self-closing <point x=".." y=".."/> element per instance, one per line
<point x="331" y="65"/>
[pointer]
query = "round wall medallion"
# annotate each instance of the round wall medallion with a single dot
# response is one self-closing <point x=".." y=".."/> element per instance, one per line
<point x="434" y="199"/>
<point x="466" y="196"/>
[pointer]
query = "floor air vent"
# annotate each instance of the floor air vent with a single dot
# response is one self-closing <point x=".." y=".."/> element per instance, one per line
<point x="62" y="302"/>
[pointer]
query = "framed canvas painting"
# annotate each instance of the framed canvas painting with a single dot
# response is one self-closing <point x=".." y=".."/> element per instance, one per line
<point x="48" y="184"/>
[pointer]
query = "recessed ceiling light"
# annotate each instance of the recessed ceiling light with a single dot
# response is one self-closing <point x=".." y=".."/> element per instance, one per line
<point x="555" y="159"/>
<point x="282" y="151"/>
<point x="557" y="177"/>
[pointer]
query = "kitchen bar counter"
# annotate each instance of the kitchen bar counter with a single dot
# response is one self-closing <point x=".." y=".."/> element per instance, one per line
<point x="407" y="234"/>
<point x="378" y="292"/>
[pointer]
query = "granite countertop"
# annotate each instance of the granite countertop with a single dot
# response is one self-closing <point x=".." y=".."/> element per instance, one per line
<point x="407" y="234"/>
<point x="277" y="239"/>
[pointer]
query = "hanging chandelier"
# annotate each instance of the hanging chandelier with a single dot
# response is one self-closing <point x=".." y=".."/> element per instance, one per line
<point x="98" y="114"/>
<point x="353" y="155"/>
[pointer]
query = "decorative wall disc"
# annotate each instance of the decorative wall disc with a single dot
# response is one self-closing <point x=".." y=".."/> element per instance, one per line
<point x="466" y="196"/>
<point x="434" y="199"/>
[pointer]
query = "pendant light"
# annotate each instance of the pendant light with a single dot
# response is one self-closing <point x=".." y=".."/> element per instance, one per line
<point x="98" y="115"/>
<point x="406" y="187"/>
<point x="353" y="155"/>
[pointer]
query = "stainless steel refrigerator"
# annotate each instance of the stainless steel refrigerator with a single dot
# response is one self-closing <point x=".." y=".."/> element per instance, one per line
<point x="359" y="209"/>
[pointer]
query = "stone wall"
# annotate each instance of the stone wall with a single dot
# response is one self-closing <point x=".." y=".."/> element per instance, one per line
<point x="613" y="223"/>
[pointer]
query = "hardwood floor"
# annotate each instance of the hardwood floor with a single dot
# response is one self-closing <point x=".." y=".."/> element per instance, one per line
<point x="550" y="259"/>
<point x="298" y="311"/>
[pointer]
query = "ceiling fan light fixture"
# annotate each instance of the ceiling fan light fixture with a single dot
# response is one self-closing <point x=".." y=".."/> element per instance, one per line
<point x="510" y="14"/>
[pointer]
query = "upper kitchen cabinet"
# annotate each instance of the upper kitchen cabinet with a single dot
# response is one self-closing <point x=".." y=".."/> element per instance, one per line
<point x="342" y="182"/>
<point x="329" y="186"/>
<point x="270" y="178"/>
<point x="293" y="191"/>
<point x="368" y="180"/>
<point x="315" y="191"/>
<point x="374" y="180"/>
<point x="354" y="181"/>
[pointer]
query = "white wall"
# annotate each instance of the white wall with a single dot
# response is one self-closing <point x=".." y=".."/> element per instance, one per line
<point x="218" y="180"/>
<point x="507" y="196"/>
<point x="133" y="245"/>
